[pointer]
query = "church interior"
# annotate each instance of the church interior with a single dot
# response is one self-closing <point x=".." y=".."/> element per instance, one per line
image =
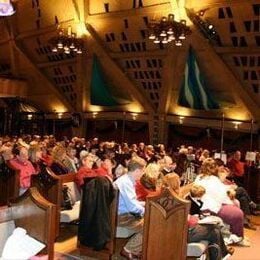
<point x="104" y="78"/>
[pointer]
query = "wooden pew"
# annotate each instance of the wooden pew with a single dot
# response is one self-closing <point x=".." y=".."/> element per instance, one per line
<point x="50" y="186"/>
<point x="165" y="227"/>
<point x="9" y="183"/>
<point x="35" y="214"/>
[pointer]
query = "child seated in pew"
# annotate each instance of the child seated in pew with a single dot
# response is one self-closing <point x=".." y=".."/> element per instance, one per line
<point x="197" y="232"/>
<point x="195" y="195"/>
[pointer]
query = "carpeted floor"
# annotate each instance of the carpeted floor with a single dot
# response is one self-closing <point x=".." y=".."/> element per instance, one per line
<point x="67" y="243"/>
<point x="252" y="252"/>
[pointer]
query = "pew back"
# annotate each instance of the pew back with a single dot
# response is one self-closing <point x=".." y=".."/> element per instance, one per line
<point x="165" y="227"/>
<point x="50" y="186"/>
<point x="9" y="183"/>
<point x="35" y="214"/>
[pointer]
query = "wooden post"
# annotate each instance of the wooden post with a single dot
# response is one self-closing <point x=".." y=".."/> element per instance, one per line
<point x="251" y="135"/>
<point x="222" y="135"/>
<point x="123" y="128"/>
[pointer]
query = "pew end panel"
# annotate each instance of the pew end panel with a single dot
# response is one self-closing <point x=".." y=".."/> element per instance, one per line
<point x="36" y="215"/>
<point x="165" y="227"/>
<point x="9" y="183"/>
<point x="49" y="187"/>
<point x="69" y="216"/>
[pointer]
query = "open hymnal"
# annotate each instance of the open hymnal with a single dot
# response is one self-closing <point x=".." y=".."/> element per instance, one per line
<point x="20" y="246"/>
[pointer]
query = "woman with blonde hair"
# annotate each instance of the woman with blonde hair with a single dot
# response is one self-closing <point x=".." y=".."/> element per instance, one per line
<point x="35" y="156"/>
<point x="204" y="155"/>
<point x="148" y="183"/>
<point x="58" y="156"/>
<point x="217" y="201"/>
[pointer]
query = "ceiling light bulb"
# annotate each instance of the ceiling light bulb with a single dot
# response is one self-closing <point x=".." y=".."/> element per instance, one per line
<point x="171" y="17"/>
<point x="151" y="36"/>
<point x="156" y="40"/>
<point x="72" y="46"/>
<point x="172" y="37"/>
<point x="165" y="40"/>
<point x="182" y="36"/>
<point x="66" y="48"/>
<point x="178" y="43"/>
<point x="67" y="51"/>
<point x="183" y="22"/>
<point x="170" y="31"/>
<point x="79" y="51"/>
<point x="54" y="49"/>
<point x="210" y="26"/>
<point x="164" y="19"/>
<point x="163" y="33"/>
<point x="60" y="45"/>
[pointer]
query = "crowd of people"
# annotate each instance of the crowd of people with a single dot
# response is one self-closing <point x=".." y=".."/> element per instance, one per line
<point x="140" y="170"/>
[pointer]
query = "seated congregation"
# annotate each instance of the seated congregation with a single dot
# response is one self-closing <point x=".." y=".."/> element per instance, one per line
<point x="115" y="190"/>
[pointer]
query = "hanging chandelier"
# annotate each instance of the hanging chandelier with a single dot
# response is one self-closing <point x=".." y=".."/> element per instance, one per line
<point x="168" y="30"/>
<point x="66" y="42"/>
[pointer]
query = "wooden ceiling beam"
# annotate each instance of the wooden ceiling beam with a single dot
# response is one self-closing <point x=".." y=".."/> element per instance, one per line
<point x="5" y="41"/>
<point x="117" y="74"/>
<point x="56" y="63"/>
<point x="172" y="74"/>
<point x="152" y="9"/>
<point x="41" y="31"/>
<point x="141" y="54"/>
<point x="219" y="3"/>
<point x="12" y="31"/>
<point x="43" y="77"/>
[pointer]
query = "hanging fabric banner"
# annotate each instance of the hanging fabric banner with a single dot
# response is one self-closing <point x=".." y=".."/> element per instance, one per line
<point x="101" y="91"/>
<point x="193" y="92"/>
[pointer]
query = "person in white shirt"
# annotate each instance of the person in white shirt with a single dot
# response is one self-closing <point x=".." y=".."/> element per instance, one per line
<point x="216" y="199"/>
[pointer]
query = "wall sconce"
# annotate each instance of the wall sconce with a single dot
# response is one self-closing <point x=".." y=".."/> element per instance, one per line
<point x="29" y="116"/>
<point x="181" y="118"/>
<point x="236" y="124"/>
<point x="94" y="114"/>
<point x="60" y="115"/>
<point x="134" y="116"/>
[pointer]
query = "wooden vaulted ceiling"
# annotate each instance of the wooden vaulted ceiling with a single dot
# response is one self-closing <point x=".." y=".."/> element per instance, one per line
<point x="150" y="74"/>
